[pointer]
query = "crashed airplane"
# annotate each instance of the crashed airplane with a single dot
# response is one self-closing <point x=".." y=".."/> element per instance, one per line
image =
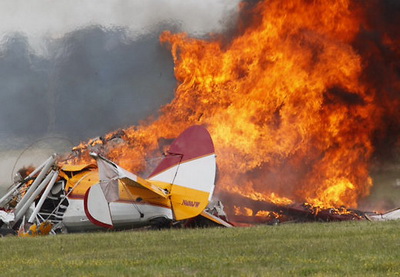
<point x="79" y="198"/>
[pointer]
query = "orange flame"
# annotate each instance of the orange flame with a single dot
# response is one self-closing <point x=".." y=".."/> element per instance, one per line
<point x="243" y="211"/>
<point x="283" y="101"/>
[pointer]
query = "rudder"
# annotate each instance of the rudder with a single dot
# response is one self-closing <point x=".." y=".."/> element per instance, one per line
<point x="190" y="166"/>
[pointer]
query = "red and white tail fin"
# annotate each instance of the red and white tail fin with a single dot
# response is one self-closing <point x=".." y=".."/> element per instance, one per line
<point x="190" y="166"/>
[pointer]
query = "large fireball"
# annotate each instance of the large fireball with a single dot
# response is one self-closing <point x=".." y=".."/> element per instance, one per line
<point x="287" y="101"/>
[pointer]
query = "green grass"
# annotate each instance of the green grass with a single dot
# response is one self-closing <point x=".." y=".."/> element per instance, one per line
<point x="313" y="249"/>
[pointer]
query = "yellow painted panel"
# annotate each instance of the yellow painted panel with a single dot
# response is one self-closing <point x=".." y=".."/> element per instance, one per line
<point x="187" y="202"/>
<point x="78" y="167"/>
<point x="85" y="180"/>
<point x="138" y="194"/>
<point x="145" y="184"/>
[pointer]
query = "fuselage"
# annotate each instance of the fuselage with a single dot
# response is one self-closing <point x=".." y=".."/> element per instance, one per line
<point x="136" y="207"/>
<point x="125" y="215"/>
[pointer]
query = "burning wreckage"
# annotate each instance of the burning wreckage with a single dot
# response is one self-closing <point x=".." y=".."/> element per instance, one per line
<point x="300" y="110"/>
<point x="57" y="197"/>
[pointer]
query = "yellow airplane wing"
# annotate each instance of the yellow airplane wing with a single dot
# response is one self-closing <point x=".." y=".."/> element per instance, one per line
<point x="133" y="180"/>
<point x="109" y="171"/>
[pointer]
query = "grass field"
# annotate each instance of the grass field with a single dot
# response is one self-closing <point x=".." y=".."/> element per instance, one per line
<point x="313" y="249"/>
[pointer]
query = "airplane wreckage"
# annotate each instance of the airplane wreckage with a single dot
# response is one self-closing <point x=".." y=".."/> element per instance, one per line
<point x="56" y="198"/>
<point x="79" y="198"/>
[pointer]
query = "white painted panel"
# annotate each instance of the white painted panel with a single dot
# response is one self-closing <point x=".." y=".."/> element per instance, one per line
<point x="123" y="214"/>
<point x="97" y="205"/>
<point x="196" y="174"/>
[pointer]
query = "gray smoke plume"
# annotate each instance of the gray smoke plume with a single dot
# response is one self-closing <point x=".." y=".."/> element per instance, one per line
<point x="94" y="80"/>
